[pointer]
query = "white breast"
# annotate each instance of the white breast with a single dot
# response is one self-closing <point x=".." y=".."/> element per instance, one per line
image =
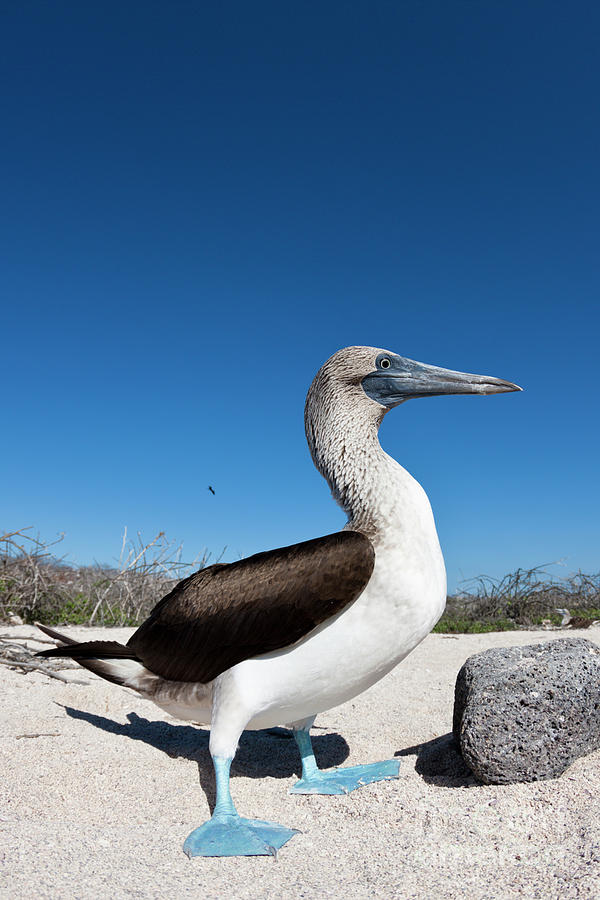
<point x="404" y="598"/>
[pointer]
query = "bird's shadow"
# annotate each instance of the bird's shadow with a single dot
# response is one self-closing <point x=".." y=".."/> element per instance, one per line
<point x="440" y="762"/>
<point x="267" y="753"/>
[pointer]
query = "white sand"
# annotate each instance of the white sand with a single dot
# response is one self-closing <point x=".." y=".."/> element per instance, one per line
<point x="100" y="809"/>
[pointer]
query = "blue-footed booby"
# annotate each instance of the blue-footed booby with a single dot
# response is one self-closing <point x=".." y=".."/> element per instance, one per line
<point x="281" y="636"/>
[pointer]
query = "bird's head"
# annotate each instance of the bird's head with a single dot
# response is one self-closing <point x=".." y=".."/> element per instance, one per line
<point x="363" y="375"/>
<point x="361" y="384"/>
<point x="352" y="392"/>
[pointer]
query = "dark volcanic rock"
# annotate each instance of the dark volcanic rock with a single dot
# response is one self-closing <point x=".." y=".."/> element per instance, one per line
<point x="526" y="713"/>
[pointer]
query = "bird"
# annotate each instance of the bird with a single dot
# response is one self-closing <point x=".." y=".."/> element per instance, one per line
<point x="211" y="489"/>
<point x="279" y="637"/>
<point x="569" y="621"/>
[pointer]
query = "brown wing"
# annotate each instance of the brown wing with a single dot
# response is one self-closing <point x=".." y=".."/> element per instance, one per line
<point x="227" y="613"/>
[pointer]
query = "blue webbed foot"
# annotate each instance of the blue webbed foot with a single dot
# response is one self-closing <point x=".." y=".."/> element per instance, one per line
<point x="231" y="835"/>
<point x="342" y="781"/>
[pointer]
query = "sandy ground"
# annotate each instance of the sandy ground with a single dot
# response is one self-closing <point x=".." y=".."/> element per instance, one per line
<point x="100" y="788"/>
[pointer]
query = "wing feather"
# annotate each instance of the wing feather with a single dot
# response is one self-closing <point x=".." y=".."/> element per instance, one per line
<point x="224" y="614"/>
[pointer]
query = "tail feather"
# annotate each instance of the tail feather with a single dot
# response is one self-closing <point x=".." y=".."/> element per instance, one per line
<point x="112" y="661"/>
<point x="124" y="672"/>
<point x="56" y="635"/>
<point x="91" y="650"/>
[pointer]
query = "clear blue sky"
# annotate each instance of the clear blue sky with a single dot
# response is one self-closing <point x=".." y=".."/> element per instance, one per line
<point x="202" y="202"/>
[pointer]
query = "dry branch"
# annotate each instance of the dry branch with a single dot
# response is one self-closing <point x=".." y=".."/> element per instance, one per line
<point x="36" y="585"/>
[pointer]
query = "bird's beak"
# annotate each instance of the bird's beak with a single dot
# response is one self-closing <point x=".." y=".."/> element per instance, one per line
<point x="431" y="381"/>
<point x="404" y="379"/>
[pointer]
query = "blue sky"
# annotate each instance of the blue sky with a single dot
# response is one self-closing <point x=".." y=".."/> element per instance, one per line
<point x="202" y="202"/>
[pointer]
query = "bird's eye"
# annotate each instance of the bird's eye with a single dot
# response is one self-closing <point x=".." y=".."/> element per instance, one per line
<point x="385" y="363"/>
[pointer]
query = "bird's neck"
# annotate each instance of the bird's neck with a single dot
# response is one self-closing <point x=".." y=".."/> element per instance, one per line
<point x="380" y="498"/>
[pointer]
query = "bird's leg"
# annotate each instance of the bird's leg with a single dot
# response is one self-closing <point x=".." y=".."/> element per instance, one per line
<point x="224" y="802"/>
<point x="307" y="754"/>
<point x="226" y="833"/>
<point x="339" y="780"/>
